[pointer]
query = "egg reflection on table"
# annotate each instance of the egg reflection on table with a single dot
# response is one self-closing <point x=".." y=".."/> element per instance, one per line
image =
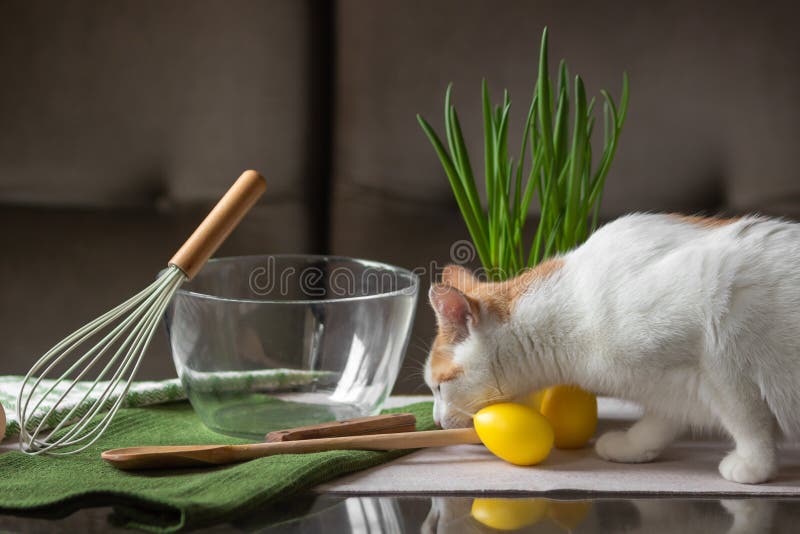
<point x="517" y="513"/>
<point x="508" y="514"/>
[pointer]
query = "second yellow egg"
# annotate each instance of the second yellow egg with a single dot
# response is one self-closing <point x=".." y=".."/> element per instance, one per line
<point x="572" y="413"/>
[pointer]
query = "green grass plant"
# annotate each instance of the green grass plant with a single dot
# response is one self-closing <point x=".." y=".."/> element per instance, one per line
<point x="558" y="172"/>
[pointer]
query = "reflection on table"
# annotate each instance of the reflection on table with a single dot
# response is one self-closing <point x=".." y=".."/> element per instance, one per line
<point x="460" y="515"/>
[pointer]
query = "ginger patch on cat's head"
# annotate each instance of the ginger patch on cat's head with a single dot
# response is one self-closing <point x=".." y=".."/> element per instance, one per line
<point x="460" y="278"/>
<point x="461" y="301"/>
<point x="442" y="366"/>
<point x="498" y="298"/>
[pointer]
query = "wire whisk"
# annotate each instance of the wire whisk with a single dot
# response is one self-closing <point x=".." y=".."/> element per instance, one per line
<point x="60" y="416"/>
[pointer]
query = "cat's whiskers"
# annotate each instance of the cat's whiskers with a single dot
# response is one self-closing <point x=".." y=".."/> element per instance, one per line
<point x="418" y="387"/>
<point x="459" y="409"/>
<point x="497" y="396"/>
<point x="414" y="373"/>
<point x="479" y="404"/>
<point x="421" y="344"/>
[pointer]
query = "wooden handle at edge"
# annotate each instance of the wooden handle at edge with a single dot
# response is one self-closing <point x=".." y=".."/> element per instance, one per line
<point x="219" y="223"/>
<point x="185" y="456"/>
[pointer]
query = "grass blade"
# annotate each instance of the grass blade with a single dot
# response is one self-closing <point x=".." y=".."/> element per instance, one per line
<point x="467" y="177"/>
<point x="576" y="157"/>
<point x="455" y="185"/>
<point x="544" y="100"/>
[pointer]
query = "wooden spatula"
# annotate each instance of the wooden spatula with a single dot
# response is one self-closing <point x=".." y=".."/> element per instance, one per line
<point x="197" y="455"/>
<point x="379" y="432"/>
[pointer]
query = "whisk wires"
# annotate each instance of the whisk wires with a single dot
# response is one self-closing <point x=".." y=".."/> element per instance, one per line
<point x="129" y="327"/>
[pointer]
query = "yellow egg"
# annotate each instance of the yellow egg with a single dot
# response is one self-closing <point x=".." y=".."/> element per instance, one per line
<point x="516" y="433"/>
<point x="573" y="414"/>
<point x="508" y="514"/>
<point x="534" y="400"/>
<point x="568" y="514"/>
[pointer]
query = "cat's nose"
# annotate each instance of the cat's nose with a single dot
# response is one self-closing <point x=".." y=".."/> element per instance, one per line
<point x="436" y="421"/>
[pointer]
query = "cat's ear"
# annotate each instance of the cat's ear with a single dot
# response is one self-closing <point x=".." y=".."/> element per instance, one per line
<point x="459" y="277"/>
<point x="453" y="309"/>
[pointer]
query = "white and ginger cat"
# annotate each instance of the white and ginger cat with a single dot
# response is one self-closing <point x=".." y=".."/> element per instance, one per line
<point x="696" y="319"/>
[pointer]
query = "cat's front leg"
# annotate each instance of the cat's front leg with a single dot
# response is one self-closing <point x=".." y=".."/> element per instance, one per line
<point x="642" y="442"/>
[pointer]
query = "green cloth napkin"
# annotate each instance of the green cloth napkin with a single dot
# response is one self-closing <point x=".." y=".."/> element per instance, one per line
<point x="143" y="393"/>
<point x="165" y="501"/>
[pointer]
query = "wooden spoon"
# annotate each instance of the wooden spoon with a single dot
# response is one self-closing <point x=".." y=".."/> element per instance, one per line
<point x="160" y="457"/>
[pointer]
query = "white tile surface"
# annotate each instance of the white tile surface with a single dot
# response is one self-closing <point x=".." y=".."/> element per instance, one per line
<point x="688" y="467"/>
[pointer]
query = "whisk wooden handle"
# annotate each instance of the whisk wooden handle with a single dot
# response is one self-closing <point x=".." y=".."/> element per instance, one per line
<point x="198" y="455"/>
<point x="220" y="222"/>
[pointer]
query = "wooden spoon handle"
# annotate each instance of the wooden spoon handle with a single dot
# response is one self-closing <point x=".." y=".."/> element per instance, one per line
<point x="196" y="455"/>
<point x="219" y="223"/>
<point x="375" y="424"/>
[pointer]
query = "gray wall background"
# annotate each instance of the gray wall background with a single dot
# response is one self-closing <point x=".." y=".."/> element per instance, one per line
<point x="121" y="122"/>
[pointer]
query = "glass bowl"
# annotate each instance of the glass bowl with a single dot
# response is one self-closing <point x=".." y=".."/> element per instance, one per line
<point x="263" y="343"/>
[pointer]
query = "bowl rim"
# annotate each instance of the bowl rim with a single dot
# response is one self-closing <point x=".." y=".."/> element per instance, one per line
<point x="412" y="289"/>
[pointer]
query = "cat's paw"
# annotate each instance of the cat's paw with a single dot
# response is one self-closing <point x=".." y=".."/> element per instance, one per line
<point x="617" y="446"/>
<point x="745" y="469"/>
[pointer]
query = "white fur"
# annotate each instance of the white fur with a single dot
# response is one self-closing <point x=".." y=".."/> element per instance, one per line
<point x="699" y="325"/>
